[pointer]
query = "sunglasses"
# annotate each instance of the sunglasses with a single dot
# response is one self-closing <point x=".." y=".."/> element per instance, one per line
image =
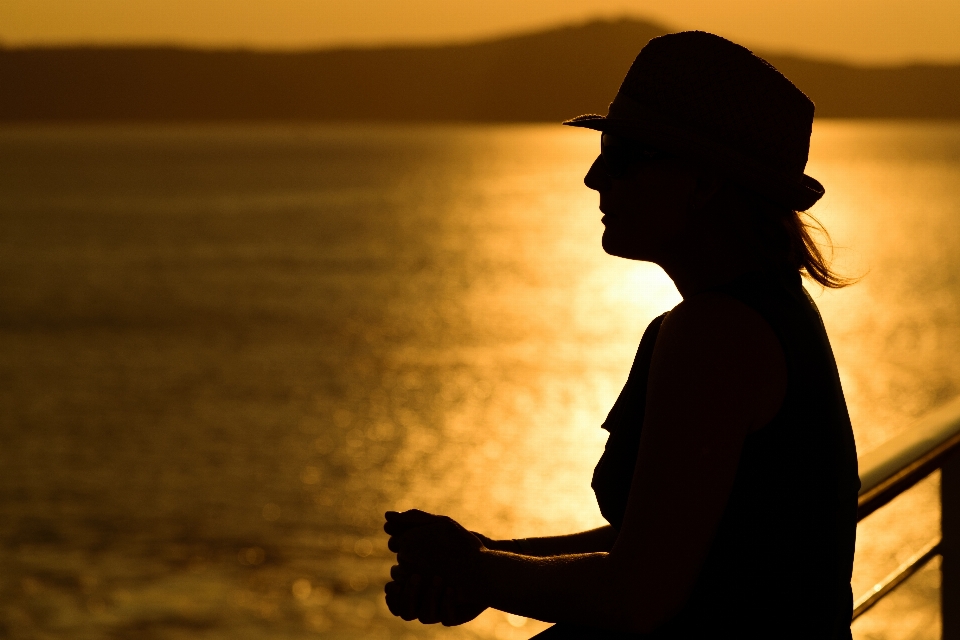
<point x="619" y="154"/>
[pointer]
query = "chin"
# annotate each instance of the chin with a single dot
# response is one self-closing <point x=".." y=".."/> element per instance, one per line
<point x="619" y="249"/>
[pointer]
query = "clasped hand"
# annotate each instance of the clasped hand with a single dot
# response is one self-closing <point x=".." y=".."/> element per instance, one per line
<point x="435" y="578"/>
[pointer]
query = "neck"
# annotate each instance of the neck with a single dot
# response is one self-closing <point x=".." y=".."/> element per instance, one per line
<point x="708" y="262"/>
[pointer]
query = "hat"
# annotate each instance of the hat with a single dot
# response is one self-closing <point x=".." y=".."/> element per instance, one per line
<point x="701" y="97"/>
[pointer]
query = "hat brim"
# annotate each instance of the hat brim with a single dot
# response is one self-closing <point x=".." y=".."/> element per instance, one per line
<point x="797" y="192"/>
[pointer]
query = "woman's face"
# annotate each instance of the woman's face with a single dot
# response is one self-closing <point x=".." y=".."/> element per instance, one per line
<point x="646" y="208"/>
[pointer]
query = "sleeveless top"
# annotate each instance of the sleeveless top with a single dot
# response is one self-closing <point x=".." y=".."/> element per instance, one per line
<point x="780" y="563"/>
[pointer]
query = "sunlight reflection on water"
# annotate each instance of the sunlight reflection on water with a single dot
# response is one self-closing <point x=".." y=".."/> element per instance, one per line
<point x="229" y="350"/>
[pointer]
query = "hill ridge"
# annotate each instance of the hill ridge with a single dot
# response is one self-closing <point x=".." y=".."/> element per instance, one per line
<point x="545" y="75"/>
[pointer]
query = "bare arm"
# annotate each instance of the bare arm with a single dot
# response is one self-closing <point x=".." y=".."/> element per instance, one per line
<point x="600" y="539"/>
<point x="717" y="374"/>
<point x="430" y="599"/>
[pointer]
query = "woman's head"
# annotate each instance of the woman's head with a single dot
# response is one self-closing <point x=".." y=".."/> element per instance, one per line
<point x="705" y="141"/>
<point x="658" y="207"/>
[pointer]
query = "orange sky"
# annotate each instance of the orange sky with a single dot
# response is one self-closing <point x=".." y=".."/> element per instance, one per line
<point x="866" y="31"/>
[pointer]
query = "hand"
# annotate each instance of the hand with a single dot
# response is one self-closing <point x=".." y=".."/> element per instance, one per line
<point x="411" y="597"/>
<point x="430" y="545"/>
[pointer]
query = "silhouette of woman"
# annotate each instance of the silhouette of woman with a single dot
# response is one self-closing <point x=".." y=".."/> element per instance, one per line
<point x="729" y="477"/>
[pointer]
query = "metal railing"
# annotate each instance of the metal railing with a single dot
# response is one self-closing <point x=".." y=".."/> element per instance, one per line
<point x="895" y="466"/>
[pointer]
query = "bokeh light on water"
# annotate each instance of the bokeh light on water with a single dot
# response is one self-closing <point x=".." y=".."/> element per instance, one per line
<point x="228" y="350"/>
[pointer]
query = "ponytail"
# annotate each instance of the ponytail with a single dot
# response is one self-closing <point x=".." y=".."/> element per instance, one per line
<point x="805" y="252"/>
<point x="788" y="238"/>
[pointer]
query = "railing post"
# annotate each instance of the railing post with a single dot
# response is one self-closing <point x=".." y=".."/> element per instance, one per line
<point x="950" y="566"/>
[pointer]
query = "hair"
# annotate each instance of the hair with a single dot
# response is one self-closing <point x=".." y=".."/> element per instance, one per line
<point x="789" y="238"/>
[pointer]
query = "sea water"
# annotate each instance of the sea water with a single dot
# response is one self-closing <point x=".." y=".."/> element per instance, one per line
<point x="226" y="350"/>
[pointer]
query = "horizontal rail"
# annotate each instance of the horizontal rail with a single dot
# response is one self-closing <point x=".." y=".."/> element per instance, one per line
<point x="906" y="459"/>
<point x="898" y="576"/>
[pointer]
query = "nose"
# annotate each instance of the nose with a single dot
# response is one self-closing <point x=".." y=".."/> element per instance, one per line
<point x="597" y="177"/>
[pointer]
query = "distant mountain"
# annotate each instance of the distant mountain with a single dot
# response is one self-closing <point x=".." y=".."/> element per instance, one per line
<point x="543" y="76"/>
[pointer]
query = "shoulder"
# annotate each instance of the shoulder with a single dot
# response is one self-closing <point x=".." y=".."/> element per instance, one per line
<point x="714" y="347"/>
<point x="717" y="323"/>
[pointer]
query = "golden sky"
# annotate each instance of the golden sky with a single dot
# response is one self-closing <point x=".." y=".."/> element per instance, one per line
<point x="856" y="30"/>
